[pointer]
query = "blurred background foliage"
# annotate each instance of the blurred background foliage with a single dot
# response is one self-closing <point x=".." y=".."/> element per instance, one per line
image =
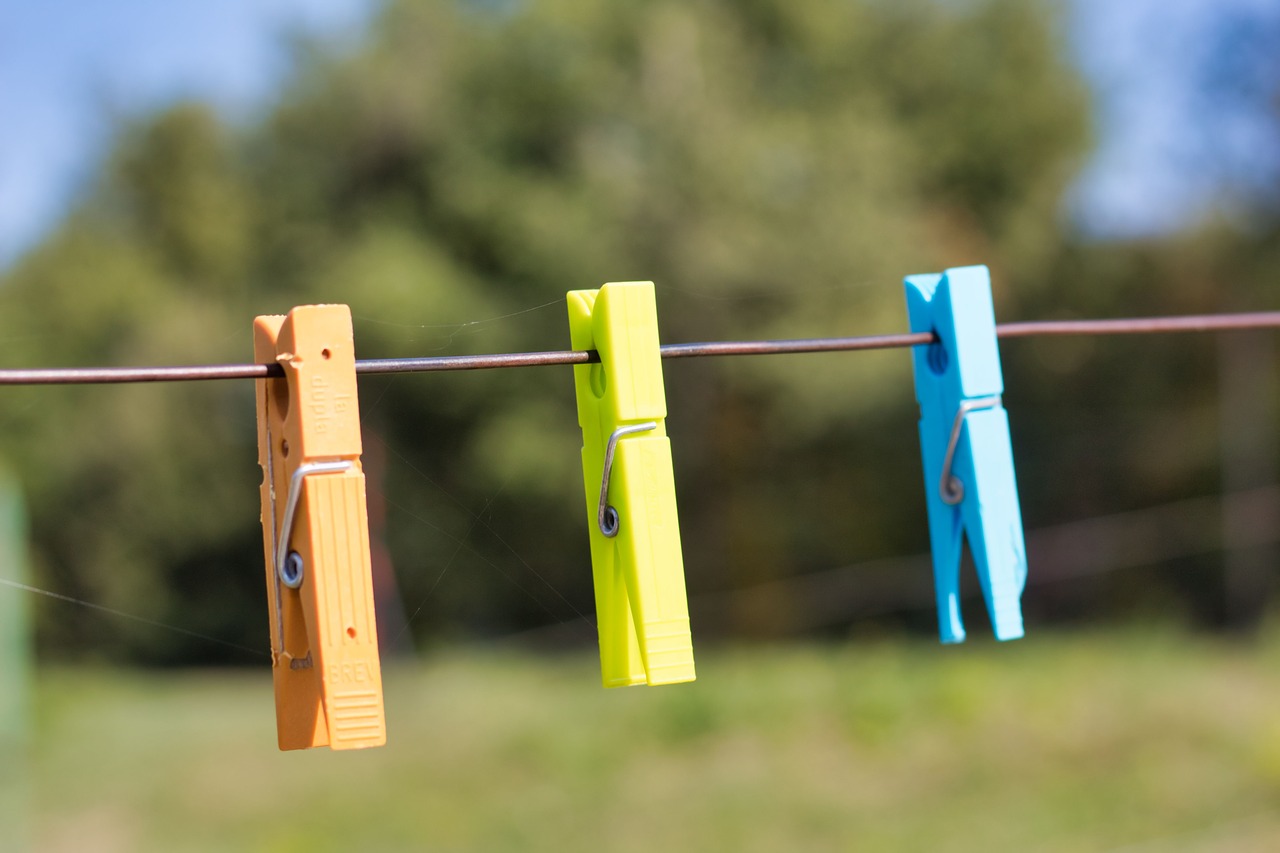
<point x="776" y="168"/>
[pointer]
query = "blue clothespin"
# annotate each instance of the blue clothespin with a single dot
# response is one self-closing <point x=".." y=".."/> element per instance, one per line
<point x="964" y="438"/>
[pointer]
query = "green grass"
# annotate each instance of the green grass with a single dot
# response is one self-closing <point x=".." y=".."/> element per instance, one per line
<point x="1150" y="739"/>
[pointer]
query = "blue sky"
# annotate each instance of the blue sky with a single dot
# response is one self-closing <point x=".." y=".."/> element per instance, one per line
<point x="1166" y="151"/>
<point x="71" y="70"/>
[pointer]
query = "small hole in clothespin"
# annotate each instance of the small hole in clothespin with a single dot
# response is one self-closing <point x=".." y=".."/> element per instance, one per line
<point x="324" y="353"/>
<point x="937" y="358"/>
<point x="598" y="383"/>
<point x="279" y="391"/>
<point x="284" y="448"/>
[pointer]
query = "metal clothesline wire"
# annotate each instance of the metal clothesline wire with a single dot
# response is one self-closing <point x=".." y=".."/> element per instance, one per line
<point x="1122" y="326"/>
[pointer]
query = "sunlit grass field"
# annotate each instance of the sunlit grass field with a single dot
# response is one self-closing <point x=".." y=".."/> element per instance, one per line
<point x="1139" y="739"/>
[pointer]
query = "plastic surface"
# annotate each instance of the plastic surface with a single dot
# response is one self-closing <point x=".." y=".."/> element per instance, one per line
<point x="324" y="638"/>
<point x="965" y="365"/>
<point x="641" y="608"/>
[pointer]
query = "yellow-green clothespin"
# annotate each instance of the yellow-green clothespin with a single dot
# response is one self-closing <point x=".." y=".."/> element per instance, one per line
<point x="641" y="608"/>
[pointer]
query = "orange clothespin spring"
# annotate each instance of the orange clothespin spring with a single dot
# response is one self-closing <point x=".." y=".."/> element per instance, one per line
<point x="315" y="530"/>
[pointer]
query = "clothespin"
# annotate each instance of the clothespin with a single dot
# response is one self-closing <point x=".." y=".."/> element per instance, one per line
<point x="964" y="437"/>
<point x="315" y="530"/>
<point x="636" y="561"/>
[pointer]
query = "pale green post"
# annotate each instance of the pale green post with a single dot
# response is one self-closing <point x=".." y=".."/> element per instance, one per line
<point x="15" y="667"/>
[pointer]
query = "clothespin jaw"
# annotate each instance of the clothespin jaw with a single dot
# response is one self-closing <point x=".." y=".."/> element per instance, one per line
<point x="638" y="569"/>
<point x="315" y="526"/>
<point x="964" y="438"/>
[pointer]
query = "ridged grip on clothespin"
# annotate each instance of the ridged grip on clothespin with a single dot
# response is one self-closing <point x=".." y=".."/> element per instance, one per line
<point x="641" y="606"/>
<point x="970" y="487"/>
<point x="324" y="637"/>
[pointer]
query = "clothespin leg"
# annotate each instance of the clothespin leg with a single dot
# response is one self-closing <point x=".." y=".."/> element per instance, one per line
<point x="620" y="662"/>
<point x="656" y="591"/>
<point x="992" y="517"/>
<point x="945" y="542"/>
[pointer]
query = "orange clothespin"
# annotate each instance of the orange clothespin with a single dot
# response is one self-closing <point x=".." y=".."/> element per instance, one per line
<point x="315" y="531"/>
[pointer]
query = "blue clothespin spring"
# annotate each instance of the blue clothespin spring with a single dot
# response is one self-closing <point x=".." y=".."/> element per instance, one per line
<point x="964" y="438"/>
